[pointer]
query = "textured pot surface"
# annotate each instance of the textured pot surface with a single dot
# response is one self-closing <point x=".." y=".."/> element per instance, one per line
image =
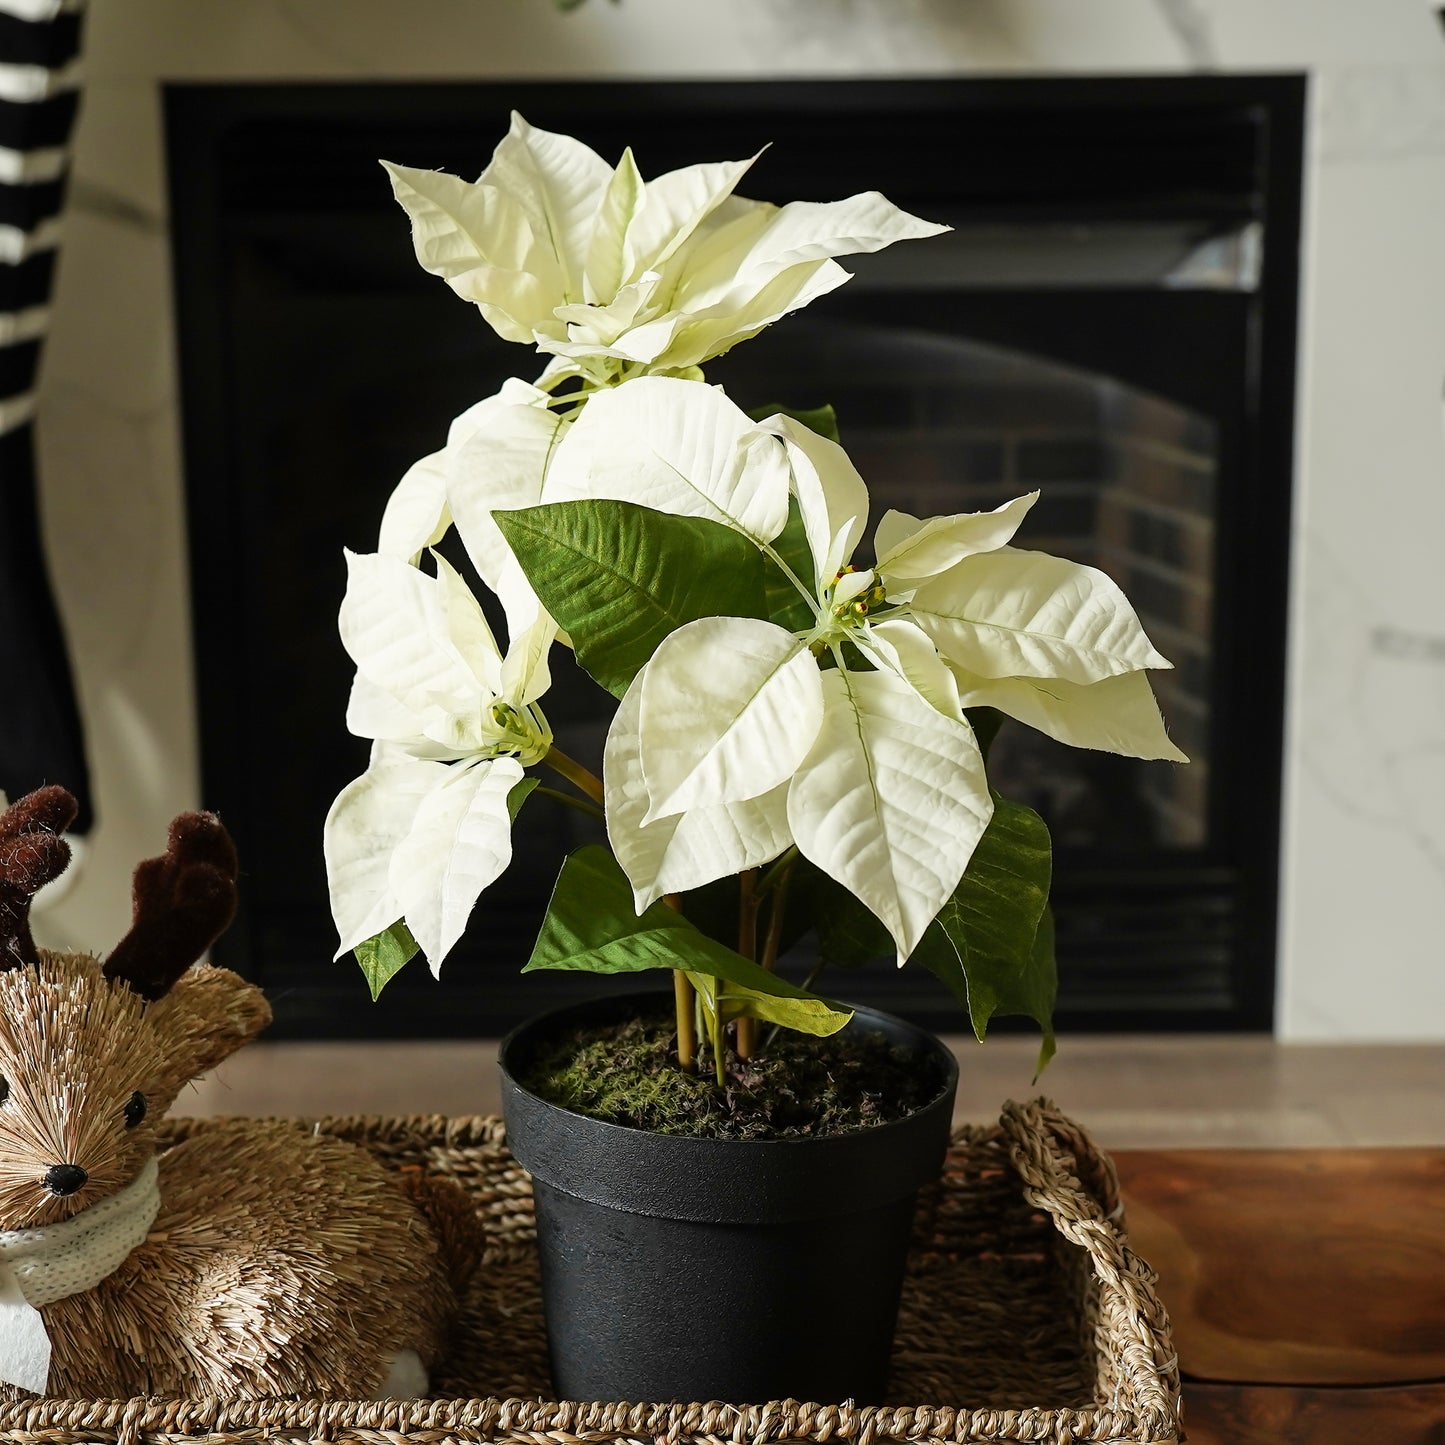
<point x="676" y="1268"/>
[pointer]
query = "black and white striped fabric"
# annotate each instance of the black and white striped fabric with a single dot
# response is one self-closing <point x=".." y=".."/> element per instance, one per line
<point x="40" y="733"/>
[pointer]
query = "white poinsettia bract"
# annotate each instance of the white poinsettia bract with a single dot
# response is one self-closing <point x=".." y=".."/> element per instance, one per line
<point x="846" y="737"/>
<point x="454" y="721"/>
<point x="615" y="276"/>
<point x="495" y="458"/>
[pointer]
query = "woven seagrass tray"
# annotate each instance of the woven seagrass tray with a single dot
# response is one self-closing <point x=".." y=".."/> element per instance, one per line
<point x="1026" y="1317"/>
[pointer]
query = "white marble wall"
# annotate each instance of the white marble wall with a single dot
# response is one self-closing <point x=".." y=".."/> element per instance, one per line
<point x="1365" y="827"/>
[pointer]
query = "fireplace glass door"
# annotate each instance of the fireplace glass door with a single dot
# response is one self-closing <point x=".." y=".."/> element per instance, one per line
<point x="1111" y="323"/>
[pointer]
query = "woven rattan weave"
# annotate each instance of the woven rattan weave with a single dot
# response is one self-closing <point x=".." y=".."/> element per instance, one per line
<point x="1026" y="1317"/>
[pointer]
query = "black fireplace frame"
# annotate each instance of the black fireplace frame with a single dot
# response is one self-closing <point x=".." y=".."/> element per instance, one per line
<point x="216" y="133"/>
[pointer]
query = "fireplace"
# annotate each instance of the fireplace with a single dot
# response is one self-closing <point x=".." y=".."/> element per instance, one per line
<point x="1111" y="321"/>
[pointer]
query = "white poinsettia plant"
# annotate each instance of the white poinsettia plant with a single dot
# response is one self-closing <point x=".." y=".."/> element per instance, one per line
<point x="797" y="710"/>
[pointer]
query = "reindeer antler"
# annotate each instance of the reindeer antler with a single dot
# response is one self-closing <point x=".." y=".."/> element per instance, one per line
<point x="31" y="855"/>
<point x="184" y="901"/>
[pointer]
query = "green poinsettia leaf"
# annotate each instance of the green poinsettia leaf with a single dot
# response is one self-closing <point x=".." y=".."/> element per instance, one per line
<point x="803" y="1015"/>
<point x="936" y="953"/>
<point x="821" y="419"/>
<point x="519" y="795"/>
<point x="1044" y="981"/>
<point x="849" y="932"/>
<point x="591" y="927"/>
<point x="384" y="956"/>
<point x="785" y="605"/>
<point x="620" y="577"/>
<point x="990" y="944"/>
<point x="1035" y="985"/>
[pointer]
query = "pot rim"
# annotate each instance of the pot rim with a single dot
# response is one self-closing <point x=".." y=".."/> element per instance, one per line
<point x="685" y="1176"/>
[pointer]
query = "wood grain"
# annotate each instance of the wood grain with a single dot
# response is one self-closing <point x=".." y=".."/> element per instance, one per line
<point x="1297" y="1267"/>
<point x="1282" y="1415"/>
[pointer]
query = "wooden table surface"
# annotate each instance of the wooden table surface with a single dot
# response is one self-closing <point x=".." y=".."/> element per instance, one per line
<point x="1306" y="1289"/>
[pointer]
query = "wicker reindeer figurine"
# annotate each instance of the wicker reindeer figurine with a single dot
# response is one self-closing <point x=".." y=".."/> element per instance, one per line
<point x="253" y="1258"/>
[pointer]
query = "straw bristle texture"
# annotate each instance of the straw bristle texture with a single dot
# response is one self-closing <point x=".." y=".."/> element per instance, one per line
<point x="73" y="1049"/>
<point x="1026" y="1317"/>
<point x="280" y="1263"/>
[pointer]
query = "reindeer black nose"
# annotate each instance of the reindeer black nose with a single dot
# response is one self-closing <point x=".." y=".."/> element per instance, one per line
<point x="65" y="1178"/>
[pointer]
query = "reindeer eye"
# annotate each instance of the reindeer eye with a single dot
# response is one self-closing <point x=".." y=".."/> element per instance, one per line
<point x="4" y="1090"/>
<point x="135" y="1109"/>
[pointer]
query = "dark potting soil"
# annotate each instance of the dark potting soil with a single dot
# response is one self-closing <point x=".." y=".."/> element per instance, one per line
<point x="794" y="1087"/>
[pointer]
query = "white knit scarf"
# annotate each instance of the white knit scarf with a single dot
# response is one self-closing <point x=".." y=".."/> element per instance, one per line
<point x="40" y="1266"/>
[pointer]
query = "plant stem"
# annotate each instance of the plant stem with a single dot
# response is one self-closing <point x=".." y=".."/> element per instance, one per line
<point x="575" y="773"/>
<point x="776" y="917"/>
<point x="684" y="1003"/>
<point x="748" y="947"/>
<point x="804" y="591"/>
<point x="814" y="974"/>
<point x="580" y="804"/>
<point x="719" y="1049"/>
<point x="682" y="996"/>
<point x="775" y="924"/>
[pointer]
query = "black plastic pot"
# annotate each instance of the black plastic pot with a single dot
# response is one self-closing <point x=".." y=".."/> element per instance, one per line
<point x="709" y="1269"/>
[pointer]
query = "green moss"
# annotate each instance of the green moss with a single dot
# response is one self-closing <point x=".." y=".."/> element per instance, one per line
<point x="796" y="1087"/>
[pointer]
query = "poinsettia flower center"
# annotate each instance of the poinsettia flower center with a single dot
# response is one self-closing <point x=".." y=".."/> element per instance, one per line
<point x="848" y="604"/>
<point x="520" y="732"/>
<point x="855" y="596"/>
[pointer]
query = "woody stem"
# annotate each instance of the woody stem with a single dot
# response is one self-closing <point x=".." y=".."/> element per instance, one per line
<point x="748" y="947"/>
<point x="682" y="997"/>
<point x="574" y="772"/>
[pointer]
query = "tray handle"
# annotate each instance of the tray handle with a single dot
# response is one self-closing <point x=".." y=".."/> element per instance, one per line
<point x="1058" y="1158"/>
<point x="1067" y="1176"/>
